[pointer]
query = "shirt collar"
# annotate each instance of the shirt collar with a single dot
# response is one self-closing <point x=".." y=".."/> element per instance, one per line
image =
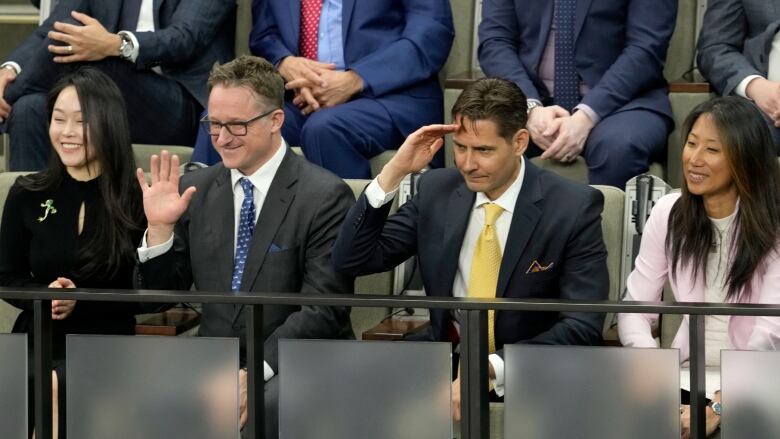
<point x="262" y="178"/>
<point x="508" y="199"/>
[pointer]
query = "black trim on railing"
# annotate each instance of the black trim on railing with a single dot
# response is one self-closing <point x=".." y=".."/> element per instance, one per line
<point x="474" y="403"/>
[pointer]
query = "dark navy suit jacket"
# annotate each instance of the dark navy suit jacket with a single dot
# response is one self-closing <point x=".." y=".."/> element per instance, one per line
<point x="620" y="49"/>
<point x="397" y="47"/>
<point x="556" y="221"/>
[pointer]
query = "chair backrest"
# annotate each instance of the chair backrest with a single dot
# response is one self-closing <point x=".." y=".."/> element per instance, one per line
<point x="377" y="284"/>
<point x="243" y="26"/>
<point x="143" y="153"/>
<point x="612" y="225"/>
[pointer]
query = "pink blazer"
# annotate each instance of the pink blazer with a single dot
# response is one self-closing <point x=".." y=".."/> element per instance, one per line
<point x="651" y="272"/>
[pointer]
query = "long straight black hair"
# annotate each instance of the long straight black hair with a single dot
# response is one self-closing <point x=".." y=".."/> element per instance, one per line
<point x="749" y="150"/>
<point x="107" y="130"/>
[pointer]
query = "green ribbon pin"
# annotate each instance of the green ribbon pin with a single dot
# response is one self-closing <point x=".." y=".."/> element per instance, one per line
<point x="49" y="206"/>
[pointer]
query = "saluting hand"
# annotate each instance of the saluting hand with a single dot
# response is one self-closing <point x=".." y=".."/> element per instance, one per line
<point x="416" y="152"/>
<point x="163" y="205"/>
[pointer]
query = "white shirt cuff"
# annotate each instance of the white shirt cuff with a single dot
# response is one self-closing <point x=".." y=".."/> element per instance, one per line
<point x="498" y="367"/>
<point x="376" y="196"/>
<point x="268" y="373"/>
<point x="17" y="68"/>
<point x="136" y="47"/>
<point x="741" y="89"/>
<point x="145" y="253"/>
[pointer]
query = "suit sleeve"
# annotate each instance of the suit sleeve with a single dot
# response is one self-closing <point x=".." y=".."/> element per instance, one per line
<point x="418" y="54"/>
<point x="319" y="277"/>
<point x="584" y="277"/>
<point x="724" y="41"/>
<point x="264" y="39"/>
<point x="192" y="28"/>
<point x="646" y="281"/>
<point x="15" y="249"/>
<point x="370" y="242"/>
<point x="499" y="44"/>
<point x="649" y="27"/>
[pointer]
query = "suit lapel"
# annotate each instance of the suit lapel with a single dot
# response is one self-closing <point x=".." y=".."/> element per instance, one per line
<point x="348" y="6"/>
<point x="157" y="4"/>
<point x="457" y="214"/>
<point x="580" y="15"/>
<point x="524" y="220"/>
<point x="221" y="218"/>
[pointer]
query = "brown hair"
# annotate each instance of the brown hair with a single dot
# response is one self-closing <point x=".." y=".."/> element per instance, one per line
<point x="252" y="72"/>
<point x="749" y="150"/>
<point x="494" y="99"/>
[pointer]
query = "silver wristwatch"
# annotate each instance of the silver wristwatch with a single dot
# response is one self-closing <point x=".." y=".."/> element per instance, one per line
<point x="126" y="49"/>
<point x="532" y="105"/>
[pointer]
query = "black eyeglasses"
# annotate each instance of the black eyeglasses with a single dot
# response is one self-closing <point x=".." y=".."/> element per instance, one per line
<point x="235" y="128"/>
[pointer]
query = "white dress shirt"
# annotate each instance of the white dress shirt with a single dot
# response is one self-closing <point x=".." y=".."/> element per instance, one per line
<point x="376" y="197"/>
<point x="261" y="180"/>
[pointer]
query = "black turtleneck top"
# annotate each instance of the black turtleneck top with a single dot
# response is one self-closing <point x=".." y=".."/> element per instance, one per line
<point x="39" y="242"/>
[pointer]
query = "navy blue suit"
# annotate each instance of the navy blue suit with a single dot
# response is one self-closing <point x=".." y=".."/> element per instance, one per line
<point x="163" y="108"/>
<point x="620" y="50"/>
<point x="432" y="226"/>
<point x="397" y="48"/>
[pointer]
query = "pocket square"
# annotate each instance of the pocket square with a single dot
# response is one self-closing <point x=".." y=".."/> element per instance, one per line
<point x="536" y="267"/>
<point x="275" y="248"/>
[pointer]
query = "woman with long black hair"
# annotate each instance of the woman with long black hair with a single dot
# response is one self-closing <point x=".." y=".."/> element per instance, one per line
<point x="78" y="222"/>
<point x="717" y="240"/>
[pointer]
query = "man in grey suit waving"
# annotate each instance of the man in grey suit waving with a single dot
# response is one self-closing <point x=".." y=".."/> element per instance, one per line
<point x="264" y="220"/>
<point x="739" y="53"/>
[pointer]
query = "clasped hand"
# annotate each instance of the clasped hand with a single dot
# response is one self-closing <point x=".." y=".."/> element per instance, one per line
<point x="61" y="309"/>
<point x="318" y="85"/>
<point x="561" y="135"/>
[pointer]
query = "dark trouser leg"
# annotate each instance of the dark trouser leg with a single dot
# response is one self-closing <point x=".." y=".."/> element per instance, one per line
<point x="623" y="145"/>
<point x="343" y="138"/>
<point x="28" y="128"/>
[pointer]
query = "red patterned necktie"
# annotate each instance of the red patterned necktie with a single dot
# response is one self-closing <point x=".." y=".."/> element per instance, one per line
<point x="310" y="21"/>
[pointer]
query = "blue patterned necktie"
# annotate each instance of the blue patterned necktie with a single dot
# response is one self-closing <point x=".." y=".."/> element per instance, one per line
<point x="567" y="84"/>
<point x="246" y="227"/>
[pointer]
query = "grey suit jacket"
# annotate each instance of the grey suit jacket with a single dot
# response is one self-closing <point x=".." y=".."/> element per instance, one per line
<point x="191" y="36"/>
<point x="735" y="41"/>
<point x="290" y="252"/>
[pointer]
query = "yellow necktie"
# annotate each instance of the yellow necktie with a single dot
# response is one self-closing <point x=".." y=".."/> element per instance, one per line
<point x="486" y="264"/>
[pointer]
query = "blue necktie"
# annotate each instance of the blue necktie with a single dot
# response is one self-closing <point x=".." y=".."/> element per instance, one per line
<point x="246" y="227"/>
<point x="567" y="84"/>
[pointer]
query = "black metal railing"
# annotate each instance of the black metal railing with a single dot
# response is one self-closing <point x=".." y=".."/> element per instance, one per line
<point x="473" y="348"/>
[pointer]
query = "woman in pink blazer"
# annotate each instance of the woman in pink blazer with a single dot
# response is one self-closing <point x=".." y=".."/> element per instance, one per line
<point x="717" y="240"/>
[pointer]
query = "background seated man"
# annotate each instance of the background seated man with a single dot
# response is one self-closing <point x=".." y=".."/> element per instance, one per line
<point x="264" y="220"/>
<point x="364" y="73"/>
<point x="159" y="54"/>
<point x="593" y="73"/>
<point x="739" y="53"/>
<point x="493" y="227"/>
